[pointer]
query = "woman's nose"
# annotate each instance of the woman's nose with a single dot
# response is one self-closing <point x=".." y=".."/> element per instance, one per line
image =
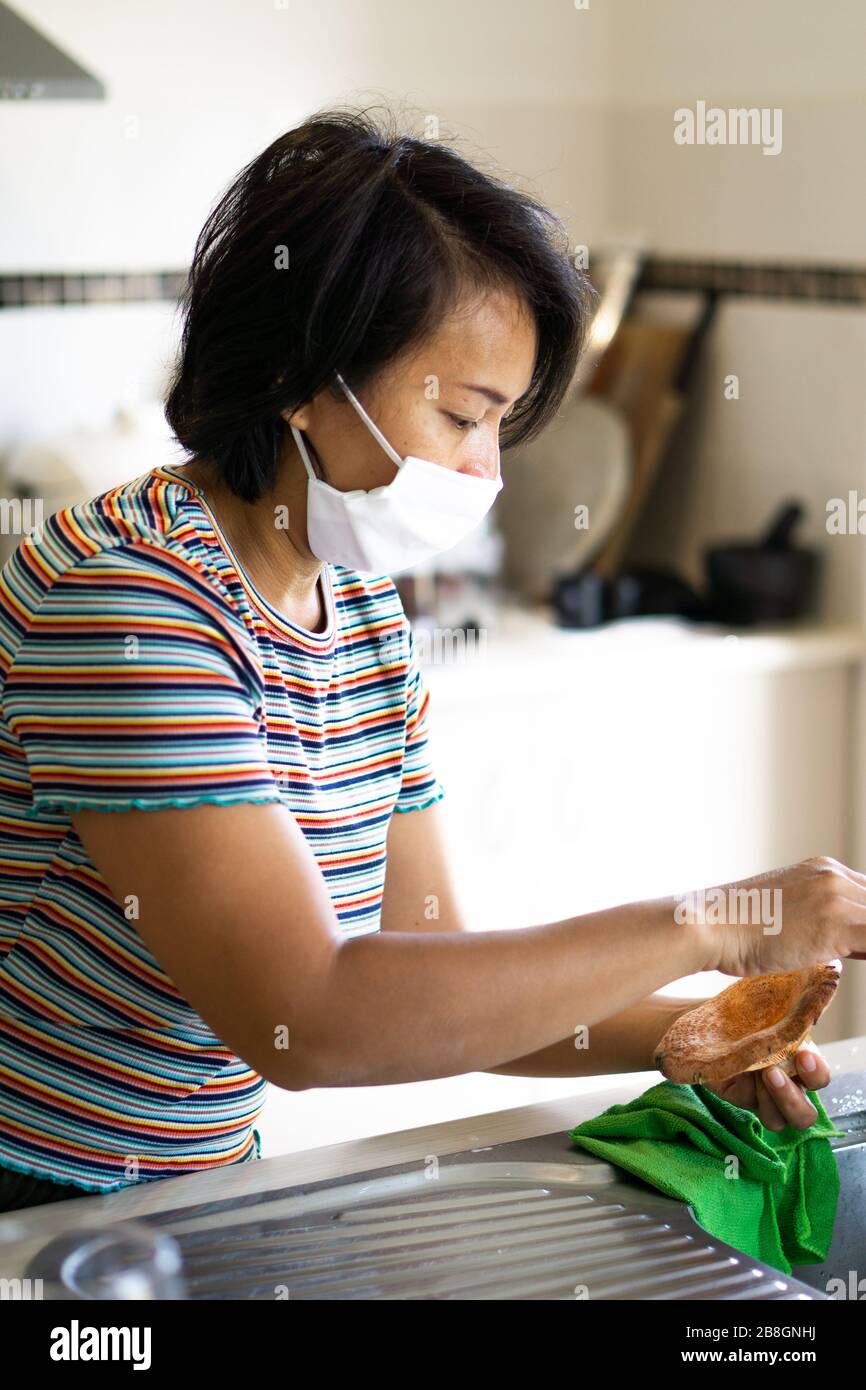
<point x="486" y="468"/>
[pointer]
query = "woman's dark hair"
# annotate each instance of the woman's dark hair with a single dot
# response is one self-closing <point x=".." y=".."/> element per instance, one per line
<point x="339" y="247"/>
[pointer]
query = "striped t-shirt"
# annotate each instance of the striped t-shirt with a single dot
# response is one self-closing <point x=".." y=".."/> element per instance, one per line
<point x="140" y="668"/>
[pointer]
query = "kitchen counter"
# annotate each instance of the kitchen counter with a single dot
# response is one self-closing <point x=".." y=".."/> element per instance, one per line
<point x="523" y="639"/>
<point x="23" y="1233"/>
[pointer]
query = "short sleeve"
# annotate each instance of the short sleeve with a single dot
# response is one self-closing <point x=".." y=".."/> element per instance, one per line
<point x="420" y="786"/>
<point x="136" y="685"/>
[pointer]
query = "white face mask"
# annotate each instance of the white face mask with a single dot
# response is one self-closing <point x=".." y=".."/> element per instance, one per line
<point x="426" y="509"/>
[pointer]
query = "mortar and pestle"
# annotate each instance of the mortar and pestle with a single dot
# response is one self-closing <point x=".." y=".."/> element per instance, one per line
<point x="770" y="581"/>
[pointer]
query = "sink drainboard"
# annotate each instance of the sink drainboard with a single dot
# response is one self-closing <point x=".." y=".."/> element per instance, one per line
<point x="491" y="1230"/>
<point x="526" y="1219"/>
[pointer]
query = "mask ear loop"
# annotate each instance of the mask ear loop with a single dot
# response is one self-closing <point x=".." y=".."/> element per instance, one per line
<point x="302" y="450"/>
<point x="374" y="429"/>
<point x="304" y="453"/>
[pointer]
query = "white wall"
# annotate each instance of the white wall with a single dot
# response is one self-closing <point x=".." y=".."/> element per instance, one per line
<point x="578" y="104"/>
<point x="771" y="51"/>
<point x="579" y="101"/>
<point x="197" y="88"/>
<point x="808" y="202"/>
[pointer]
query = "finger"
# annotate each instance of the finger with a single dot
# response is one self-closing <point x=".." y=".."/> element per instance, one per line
<point x="816" y="1076"/>
<point x="790" y="1099"/>
<point x="768" y="1112"/>
<point x="740" y="1090"/>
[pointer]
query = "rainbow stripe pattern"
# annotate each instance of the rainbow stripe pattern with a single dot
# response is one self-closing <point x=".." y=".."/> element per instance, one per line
<point x="140" y="668"/>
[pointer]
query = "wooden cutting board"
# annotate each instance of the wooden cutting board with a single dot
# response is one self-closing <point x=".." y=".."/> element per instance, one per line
<point x="638" y="376"/>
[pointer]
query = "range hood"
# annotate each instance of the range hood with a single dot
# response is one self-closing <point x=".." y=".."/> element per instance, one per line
<point x="32" y="68"/>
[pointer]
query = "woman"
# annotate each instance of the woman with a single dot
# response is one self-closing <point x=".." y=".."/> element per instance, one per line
<point x="212" y="707"/>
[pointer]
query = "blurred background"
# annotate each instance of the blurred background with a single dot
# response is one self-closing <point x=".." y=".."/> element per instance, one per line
<point x="646" y="669"/>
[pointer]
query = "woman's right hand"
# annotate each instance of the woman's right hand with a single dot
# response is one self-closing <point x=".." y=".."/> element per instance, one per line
<point x="787" y="919"/>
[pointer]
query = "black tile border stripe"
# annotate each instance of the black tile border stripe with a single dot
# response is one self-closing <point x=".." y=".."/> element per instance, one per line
<point x="22" y="291"/>
<point x="834" y="284"/>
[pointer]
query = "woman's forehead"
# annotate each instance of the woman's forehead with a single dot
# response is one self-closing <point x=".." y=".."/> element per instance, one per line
<point x="493" y="349"/>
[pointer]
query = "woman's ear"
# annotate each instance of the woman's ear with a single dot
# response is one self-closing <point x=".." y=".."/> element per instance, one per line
<point x="299" y="418"/>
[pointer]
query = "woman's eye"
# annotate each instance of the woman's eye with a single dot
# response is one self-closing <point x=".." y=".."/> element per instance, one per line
<point x="461" y="424"/>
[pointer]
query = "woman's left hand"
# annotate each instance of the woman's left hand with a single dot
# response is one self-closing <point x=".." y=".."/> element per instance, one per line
<point x="779" y="1106"/>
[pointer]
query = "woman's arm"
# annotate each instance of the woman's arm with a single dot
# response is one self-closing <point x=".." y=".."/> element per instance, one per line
<point x="624" y="1042"/>
<point x="420" y="881"/>
<point x="420" y="892"/>
<point x="418" y="864"/>
<point x="421" y="895"/>
<point x="233" y="904"/>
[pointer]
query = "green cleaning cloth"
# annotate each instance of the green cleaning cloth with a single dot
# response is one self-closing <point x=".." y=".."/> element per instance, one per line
<point x="776" y="1203"/>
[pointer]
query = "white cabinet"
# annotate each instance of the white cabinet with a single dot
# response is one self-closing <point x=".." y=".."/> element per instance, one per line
<point x="584" y="769"/>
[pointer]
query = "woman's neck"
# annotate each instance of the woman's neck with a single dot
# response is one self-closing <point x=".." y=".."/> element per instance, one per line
<point x="265" y="536"/>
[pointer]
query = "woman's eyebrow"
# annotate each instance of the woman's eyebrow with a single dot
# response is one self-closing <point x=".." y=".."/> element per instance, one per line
<point x="495" y="396"/>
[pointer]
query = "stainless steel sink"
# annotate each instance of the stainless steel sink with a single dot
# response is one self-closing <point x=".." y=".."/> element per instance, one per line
<point x="845" y="1265"/>
<point x="504" y="1228"/>
<point x="531" y="1219"/>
